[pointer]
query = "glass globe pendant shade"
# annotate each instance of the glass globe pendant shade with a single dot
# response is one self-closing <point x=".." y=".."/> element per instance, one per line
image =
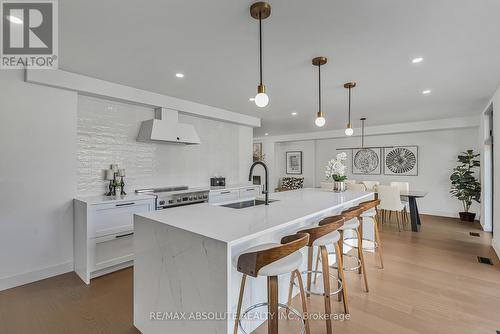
<point x="320" y="121"/>
<point x="261" y="100"/>
<point x="349" y="131"/>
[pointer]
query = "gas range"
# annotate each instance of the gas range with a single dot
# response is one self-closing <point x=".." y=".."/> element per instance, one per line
<point x="168" y="197"/>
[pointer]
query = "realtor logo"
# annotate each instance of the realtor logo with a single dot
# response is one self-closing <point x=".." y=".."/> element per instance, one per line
<point x="29" y="34"/>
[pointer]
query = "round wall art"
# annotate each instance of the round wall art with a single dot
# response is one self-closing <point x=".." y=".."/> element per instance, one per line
<point x="401" y="160"/>
<point x="366" y="161"/>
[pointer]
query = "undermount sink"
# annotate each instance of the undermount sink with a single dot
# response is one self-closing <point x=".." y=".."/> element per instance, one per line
<point x="247" y="204"/>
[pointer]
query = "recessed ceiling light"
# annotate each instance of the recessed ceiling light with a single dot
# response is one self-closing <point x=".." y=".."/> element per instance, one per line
<point x="427" y="91"/>
<point x="179" y="75"/>
<point x="294" y="113"/>
<point x="417" y="60"/>
<point x="266" y="134"/>
<point x="14" y="19"/>
<point x="251" y="99"/>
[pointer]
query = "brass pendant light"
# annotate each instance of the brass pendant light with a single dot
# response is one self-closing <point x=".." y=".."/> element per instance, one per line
<point x="349" y="131"/>
<point x="362" y="119"/>
<point x="320" y="119"/>
<point x="260" y="11"/>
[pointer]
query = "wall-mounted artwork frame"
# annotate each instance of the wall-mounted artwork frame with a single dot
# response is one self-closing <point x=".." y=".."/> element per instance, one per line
<point x="401" y="160"/>
<point x="293" y="162"/>
<point x="257" y="152"/>
<point x="366" y="161"/>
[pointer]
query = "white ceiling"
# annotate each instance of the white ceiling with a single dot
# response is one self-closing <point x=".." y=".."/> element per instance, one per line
<point x="215" y="44"/>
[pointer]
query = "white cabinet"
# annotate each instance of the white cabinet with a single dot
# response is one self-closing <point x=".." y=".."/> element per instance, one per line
<point x="234" y="193"/>
<point x="251" y="191"/>
<point x="103" y="233"/>
<point x="219" y="196"/>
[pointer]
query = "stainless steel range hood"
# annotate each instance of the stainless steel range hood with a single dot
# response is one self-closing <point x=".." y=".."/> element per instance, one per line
<point x="165" y="128"/>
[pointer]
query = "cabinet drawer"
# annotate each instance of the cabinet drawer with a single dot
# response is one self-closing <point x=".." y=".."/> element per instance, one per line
<point x="111" y="250"/>
<point x="115" y="218"/>
<point x="250" y="192"/>
<point x="219" y="196"/>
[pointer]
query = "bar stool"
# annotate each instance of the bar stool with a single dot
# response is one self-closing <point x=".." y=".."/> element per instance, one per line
<point x="272" y="260"/>
<point x="370" y="211"/>
<point x="320" y="236"/>
<point x="353" y="218"/>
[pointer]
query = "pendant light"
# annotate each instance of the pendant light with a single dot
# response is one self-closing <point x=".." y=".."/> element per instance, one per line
<point x="320" y="120"/>
<point x="362" y="119"/>
<point x="349" y="131"/>
<point x="260" y="11"/>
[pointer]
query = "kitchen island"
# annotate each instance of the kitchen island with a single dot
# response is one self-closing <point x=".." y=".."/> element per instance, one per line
<point x="184" y="269"/>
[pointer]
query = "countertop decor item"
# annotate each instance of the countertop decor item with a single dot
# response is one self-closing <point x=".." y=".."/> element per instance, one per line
<point x="111" y="175"/>
<point x="335" y="170"/>
<point x="464" y="185"/>
<point x="121" y="174"/>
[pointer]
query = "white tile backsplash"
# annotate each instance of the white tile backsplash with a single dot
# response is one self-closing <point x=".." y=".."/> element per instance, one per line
<point x="107" y="134"/>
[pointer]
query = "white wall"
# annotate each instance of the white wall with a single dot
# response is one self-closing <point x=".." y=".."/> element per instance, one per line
<point x="307" y="147"/>
<point x="438" y="150"/>
<point x="496" y="174"/>
<point x="107" y="133"/>
<point x="37" y="180"/>
<point x="43" y="163"/>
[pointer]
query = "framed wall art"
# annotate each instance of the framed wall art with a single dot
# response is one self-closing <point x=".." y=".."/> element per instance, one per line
<point x="294" y="162"/>
<point x="366" y="161"/>
<point x="401" y="160"/>
<point x="257" y="152"/>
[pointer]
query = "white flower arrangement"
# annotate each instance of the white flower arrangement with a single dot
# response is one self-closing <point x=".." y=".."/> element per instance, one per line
<point x="336" y="169"/>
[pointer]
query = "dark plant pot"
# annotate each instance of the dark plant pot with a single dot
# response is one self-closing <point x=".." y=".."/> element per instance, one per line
<point x="467" y="216"/>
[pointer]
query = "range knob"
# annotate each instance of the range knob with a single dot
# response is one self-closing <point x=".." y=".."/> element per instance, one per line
<point x="162" y="202"/>
<point x="170" y="201"/>
<point x="179" y="200"/>
<point x="190" y="198"/>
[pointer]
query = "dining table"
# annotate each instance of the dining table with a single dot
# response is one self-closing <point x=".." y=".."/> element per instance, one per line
<point x="412" y="196"/>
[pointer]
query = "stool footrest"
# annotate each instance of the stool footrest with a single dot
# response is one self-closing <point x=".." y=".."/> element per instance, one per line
<point x="339" y="288"/>
<point x="282" y="306"/>
<point x="354" y="245"/>
<point x="334" y="266"/>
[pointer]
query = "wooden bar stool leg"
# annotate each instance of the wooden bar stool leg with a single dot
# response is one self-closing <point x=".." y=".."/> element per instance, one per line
<point x="377" y="240"/>
<point x="290" y="291"/>
<point x="326" y="288"/>
<point x="304" y="303"/>
<point x="272" y="308"/>
<point x="310" y="251"/>
<point x="341" y="255"/>
<point x="316" y="267"/>
<point x="240" y="301"/>
<point x="341" y="276"/>
<point x="362" y="260"/>
<point x="360" y="241"/>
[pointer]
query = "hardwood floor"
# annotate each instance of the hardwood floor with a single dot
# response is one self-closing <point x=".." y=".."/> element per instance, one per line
<point x="432" y="283"/>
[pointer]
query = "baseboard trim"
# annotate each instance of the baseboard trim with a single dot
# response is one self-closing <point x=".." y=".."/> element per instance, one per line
<point x="450" y="214"/>
<point x="33" y="276"/>
<point x="496" y="246"/>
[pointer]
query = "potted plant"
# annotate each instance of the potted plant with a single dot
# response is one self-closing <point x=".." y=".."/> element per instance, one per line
<point x="335" y="170"/>
<point x="464" y="185"/>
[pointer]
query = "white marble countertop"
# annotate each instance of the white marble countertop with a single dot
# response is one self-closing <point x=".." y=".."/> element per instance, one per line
<point x="236" y="225"/>
<point x="94" y="200"/>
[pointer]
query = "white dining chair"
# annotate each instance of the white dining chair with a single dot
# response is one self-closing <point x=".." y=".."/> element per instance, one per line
<point x="403" y="186"/>
<point x="390" y="201"/>
<point x="355" y="186"/>
<point x="371" y="185"/>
